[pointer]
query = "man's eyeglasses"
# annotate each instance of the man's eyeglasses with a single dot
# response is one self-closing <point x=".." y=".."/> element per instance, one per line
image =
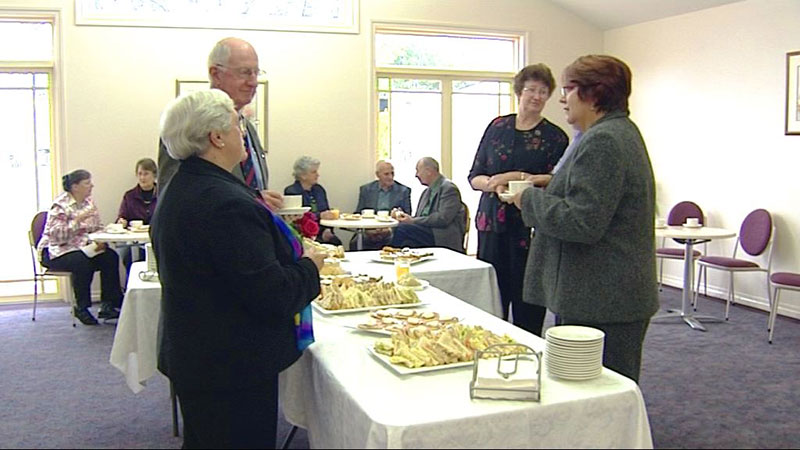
<point x="567" y="89"/>
<point x="244" y="72"/>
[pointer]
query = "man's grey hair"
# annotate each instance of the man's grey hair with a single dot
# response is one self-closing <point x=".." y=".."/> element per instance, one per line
<point x="430" y="163"/>
<point x="188" y="119"/>
<point x="220" y="55"/>
<point x="304" y="164"/>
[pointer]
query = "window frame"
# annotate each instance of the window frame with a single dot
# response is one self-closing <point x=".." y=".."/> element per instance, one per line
<point x="447" y="76"/>
<point x="53" y="68"/>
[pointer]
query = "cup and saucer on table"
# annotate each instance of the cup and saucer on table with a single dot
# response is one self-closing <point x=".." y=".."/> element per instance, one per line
<point x="661" y="223"/>
<point x="293" y="205"/>
<point x="692" y="222"/>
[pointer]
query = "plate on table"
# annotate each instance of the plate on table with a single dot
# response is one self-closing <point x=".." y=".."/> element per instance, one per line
<point x="141" y="229"/>
<point x="322" y="310"/>
<point x="294" y="211"/>
<point x="384" y="219"/>
<point x="112" y="231"/>
<point x="422" y="285"/>
<point x="391" y="260"/>
<point x="686" y="225"/>
<point x="350" y="216"/>
<point x="506" y="196"/>
<point x="403" y="370"/>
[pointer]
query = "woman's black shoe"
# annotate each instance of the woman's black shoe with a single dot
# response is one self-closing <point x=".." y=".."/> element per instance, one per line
<point x="85" y="317"/>
<point x="107" y="312"/>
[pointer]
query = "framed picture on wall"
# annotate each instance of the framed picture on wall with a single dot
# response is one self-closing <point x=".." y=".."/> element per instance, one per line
<point x="256" y="111"/>
<point x="792" y="93"/>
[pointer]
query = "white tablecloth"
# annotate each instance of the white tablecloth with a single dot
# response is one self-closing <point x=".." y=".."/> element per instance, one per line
<point x="461" y="276"/>
<point x="348" y="399"/>
<point x="134" y="349"/>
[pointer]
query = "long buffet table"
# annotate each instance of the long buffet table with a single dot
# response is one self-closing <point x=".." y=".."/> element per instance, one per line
<point x="346" y="397"/>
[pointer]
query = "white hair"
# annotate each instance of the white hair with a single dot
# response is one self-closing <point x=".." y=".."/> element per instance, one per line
<point x="304" y="164"/>
<point x="219" y="56"/>
<point x="188" y="119"/>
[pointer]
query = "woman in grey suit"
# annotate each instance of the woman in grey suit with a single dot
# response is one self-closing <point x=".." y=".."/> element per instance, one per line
<point x="592" y="261"/>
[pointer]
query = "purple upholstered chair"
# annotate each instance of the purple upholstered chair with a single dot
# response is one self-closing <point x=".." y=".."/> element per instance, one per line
<point x="677" y="216"/>
<point x="755" y="239"/>
<point x="780" y="280"/>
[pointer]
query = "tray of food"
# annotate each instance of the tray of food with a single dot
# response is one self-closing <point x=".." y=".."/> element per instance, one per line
<point x="420" y="349"/>
<point x="387" y="321"/>
<point x="344" y="295"/>
<point x="391" y="254"/>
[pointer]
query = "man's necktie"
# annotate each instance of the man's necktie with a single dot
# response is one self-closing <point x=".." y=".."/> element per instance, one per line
<point x="248" y="170"/>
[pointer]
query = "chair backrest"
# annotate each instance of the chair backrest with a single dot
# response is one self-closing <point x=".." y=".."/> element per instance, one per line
<point x="683" y="210"/>
<point x="756" y="232"/>
<point x="37" y="227"/>
<point x="466" y="225"/>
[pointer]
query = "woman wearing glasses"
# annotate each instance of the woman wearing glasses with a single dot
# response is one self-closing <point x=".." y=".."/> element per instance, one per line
<point x="592" y="261"/>
<point x="515" y="147"/>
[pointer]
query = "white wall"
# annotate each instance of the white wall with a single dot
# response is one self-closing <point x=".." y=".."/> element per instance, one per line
<point x="117" y="80"/>
<point x="709" y="97"/>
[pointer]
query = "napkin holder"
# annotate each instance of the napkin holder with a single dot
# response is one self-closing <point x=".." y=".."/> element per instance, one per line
<point x="507" y="372"/>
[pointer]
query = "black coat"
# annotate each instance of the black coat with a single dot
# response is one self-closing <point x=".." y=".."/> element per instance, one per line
<point x="230" y="287"/>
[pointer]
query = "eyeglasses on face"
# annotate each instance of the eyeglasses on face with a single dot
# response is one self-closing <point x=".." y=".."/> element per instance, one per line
<point x="566" y="89"/>
<point x="244" y="72"/>
<point x="544" y="92"/>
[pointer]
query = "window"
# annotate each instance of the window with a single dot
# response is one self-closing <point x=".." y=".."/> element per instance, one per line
<point x="436" y="92"/>
<point x="26" y="163"/>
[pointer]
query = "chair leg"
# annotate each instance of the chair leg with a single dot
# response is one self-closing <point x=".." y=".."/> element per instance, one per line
<point x="174" y="398"/>
<point x="660" y="274"/>
<point x="729" y="299"/>
<point x="773" y="314"/>
<point x="702" y="272"/>
<point x="35" y="297"/>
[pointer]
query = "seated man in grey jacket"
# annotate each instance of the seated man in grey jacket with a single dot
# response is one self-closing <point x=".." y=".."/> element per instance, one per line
<point x="440" y="217"/>
<point x="383" y="194"/>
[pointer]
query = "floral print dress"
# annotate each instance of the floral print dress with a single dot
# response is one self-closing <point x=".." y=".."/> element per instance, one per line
<point x="503" y="148"/>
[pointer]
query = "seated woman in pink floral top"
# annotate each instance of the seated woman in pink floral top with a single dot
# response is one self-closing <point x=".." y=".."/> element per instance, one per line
<point x="65" y="246"/>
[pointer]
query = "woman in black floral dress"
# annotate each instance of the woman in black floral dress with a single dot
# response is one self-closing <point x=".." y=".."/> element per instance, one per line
<point x="519" y="146"/>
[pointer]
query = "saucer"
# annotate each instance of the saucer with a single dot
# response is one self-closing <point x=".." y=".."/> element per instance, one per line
<point x="699" y="225"/>
<point x="294" y="211"/>
<point x="505" y="196"/>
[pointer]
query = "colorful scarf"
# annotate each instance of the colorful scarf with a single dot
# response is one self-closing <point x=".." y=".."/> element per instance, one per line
<point x="303" y="327"/>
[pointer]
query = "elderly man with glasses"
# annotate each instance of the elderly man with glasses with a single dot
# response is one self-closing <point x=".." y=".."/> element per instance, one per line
<point x="233" y="68"/>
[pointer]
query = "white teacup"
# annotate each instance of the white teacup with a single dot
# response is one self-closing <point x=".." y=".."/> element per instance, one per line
<point x="367" y="213"/>
<point x="515" y="187"/>
<point x="136" y="223"/>
<point x="661" y="222"/>
<point x="383" y="213"/>
<point x="692" y="222"/>
<point x="292" y="201"/>
<point x="115" y="228"/>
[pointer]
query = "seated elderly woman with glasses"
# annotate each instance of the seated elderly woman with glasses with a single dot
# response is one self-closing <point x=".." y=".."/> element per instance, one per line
<point x="306" y="175"/>
<point x="234" y="279"/>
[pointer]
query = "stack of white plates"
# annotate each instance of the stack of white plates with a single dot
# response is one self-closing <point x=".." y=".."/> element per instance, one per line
<point x="574" y="352"/>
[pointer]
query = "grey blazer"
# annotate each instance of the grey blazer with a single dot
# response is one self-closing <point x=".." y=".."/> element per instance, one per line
<point x="593" y="253"/>
<point x="168" y="166"/>
<point x="447" y="217"/>
<point x="400" y="196"/>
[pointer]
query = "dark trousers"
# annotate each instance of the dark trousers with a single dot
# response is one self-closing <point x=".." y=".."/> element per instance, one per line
<point x="126" y="253"/>
<point x="83" y="269"/>
<point x="508" y="256"/>
<point x="241" y="418"/>
<point x="622" y="349"/>
<point x="413" y="236"/>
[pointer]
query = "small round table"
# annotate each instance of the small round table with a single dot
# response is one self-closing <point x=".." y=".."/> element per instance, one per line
<point x="691" y="236"/>
<point x="358" y="226"/>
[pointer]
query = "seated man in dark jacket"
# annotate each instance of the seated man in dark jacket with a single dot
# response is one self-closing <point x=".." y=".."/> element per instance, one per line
<point x="383" y="194"/>
<point x="440" y="218"/>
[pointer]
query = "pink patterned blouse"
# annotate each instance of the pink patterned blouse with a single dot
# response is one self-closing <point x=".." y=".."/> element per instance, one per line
<point x="62" y="232"/>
